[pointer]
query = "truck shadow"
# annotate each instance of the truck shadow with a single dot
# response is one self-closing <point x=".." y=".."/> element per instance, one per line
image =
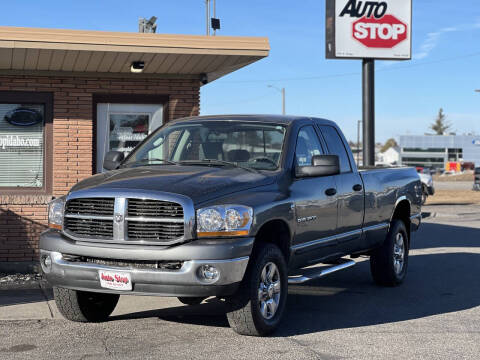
<point x="442" y="278"/>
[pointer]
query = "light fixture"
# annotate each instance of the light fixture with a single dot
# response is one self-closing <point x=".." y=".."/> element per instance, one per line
<point x="137" y="67"/>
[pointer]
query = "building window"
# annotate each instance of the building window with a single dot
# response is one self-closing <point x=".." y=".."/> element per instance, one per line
<point x="24" y="123"/>
<point x="429" y="150"/>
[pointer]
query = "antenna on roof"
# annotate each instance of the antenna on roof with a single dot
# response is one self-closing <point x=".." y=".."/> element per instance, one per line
<point x="213" y="22"/>
<point x="147" y="26"/>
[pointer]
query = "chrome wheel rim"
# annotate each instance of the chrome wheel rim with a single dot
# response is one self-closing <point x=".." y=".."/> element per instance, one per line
<point x="269" y="290"/>
<point x="398" y="253"/>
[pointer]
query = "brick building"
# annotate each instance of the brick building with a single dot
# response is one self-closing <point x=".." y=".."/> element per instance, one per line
<point x="67" y="97"/>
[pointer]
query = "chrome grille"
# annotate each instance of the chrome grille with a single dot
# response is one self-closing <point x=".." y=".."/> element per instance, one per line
<point x="96" y="228"/>
<point x="154" y="208"/>
<point x="154" y="231"/>
<point x="90" y="206"/>
<point x="124" y="220"/>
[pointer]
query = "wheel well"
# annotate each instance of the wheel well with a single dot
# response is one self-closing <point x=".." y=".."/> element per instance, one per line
<point x="278" y="233"/>
<point x="402" y="212"/>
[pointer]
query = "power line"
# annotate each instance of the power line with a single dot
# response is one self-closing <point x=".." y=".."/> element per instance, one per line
<point x="356" y="73"/>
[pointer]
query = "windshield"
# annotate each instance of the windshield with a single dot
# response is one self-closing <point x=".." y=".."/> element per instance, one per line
<point x="244" y="144"/>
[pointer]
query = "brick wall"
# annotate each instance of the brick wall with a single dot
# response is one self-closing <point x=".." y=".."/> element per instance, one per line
<point x="22" y="218"/>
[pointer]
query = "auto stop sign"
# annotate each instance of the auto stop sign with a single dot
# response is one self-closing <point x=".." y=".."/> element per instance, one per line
<point x="369" y="29"/>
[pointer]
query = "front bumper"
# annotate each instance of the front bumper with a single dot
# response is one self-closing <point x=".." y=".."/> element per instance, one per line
<point x="230" y="257"/>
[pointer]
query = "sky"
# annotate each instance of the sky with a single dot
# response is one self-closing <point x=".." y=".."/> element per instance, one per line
<point x="444" y="71"/>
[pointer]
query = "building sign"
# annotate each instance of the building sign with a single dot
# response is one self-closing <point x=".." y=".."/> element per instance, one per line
<point x="369" y="29"/>
<point x="17" y="141"/>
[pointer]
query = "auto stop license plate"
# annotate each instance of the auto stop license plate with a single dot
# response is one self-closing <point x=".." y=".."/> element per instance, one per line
<point x="115" y="280"/>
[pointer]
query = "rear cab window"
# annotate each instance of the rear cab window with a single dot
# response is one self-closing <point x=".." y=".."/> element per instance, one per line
<point x="336" y="147"/>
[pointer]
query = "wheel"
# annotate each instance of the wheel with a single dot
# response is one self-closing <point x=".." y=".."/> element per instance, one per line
<point x="84" y="306"/>
<point x="424" y="195"/>
<point x="191" y="300"/>
<point x="257" y="307"/>
<point x="389" y="263"/>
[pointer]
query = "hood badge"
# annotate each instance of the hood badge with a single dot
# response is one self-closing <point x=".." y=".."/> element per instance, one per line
<point x="118" y="218"/>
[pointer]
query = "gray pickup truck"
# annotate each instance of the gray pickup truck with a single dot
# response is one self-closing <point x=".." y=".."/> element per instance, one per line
<point x="236" y="207"/>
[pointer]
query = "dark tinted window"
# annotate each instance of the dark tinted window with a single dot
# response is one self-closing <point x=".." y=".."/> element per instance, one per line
<point x="308" y="145"/>
<point x="336" y="147"/>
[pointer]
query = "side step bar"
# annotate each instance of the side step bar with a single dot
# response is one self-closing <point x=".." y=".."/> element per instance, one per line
<point x="300" y="279"/>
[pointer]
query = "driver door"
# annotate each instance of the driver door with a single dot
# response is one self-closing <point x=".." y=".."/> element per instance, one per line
<point x="315" y="204"/>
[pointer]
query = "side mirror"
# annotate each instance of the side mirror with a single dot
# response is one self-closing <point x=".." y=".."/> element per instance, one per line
<point x="322" y="165"/>
<point x="112" y="160"/>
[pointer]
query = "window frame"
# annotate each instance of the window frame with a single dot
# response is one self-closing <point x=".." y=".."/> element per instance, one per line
<point x="46" y="99"/>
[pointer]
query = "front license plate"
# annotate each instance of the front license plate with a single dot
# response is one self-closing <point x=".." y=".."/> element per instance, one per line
<point x="115" y="280"/>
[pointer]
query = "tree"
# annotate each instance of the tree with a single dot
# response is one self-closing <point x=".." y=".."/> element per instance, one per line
<point x="440" y="126"/>
<point x="388" y="144"/>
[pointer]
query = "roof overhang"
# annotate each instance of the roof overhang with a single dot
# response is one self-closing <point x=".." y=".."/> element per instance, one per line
<point x="31" y="50"/>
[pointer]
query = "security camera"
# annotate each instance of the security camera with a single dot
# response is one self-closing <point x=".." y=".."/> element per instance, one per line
<point x="137" y="67"/>
<point x="204" y="79"/>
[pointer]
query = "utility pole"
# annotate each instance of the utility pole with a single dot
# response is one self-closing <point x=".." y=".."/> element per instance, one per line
<point x="214" y="15"/>
<point x="207" y="15"/>
<point x="282" y="91"/>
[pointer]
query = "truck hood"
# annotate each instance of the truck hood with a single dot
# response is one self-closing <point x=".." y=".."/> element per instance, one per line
<point x="199" y="183"/>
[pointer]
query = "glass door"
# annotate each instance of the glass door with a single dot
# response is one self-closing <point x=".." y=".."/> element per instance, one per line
<point x="121" y="127"/>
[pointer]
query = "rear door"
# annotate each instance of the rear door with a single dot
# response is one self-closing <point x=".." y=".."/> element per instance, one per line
<point x="350" y="192"/>
<point x="316" y="212"/>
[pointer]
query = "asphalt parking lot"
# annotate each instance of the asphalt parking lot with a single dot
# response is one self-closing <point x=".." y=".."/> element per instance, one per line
<point x="434" y="314"/>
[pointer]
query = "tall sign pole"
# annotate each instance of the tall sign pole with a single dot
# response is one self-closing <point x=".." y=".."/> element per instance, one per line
<point x="368" y="111"/>
<point x="369" y="30"/>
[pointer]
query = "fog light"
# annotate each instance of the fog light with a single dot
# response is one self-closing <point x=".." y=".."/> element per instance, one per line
<point x="46" y="263"/>
<point x="208" y="273"/>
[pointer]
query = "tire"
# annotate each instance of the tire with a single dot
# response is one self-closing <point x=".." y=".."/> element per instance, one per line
<point x="424" y="195"/>
<point x="389" y="263"/>
<point x="84" y="306"/>
<point x="264" y="286"/>
<point x="191" y="300"/>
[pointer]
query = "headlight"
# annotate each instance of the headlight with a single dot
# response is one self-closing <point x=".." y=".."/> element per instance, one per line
<point x="225" y="220"/>
<point x="55" y="213"/>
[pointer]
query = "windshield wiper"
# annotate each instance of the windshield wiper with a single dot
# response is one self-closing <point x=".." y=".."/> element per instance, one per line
<point x="215" y="162"/>
<point x="146" y="161"/>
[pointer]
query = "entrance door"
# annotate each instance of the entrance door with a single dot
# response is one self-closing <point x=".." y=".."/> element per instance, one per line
<point x="121" y="127"/>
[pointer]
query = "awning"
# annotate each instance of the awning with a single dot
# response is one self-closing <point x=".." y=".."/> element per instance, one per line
<point x="111" y="53"/>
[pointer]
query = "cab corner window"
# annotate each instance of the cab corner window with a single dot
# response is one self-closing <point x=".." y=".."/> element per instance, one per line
<point x="308" y="145"/>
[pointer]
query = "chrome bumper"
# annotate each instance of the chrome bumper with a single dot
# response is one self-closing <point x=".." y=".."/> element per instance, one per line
<point x="183" y="282"/>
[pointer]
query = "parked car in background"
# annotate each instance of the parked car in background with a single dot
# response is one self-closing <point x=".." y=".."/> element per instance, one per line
<point x="427" y="183"/>
<point x="476" y="179"/>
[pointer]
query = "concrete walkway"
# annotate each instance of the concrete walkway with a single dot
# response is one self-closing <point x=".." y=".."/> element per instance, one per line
<point x="35" y="302"/>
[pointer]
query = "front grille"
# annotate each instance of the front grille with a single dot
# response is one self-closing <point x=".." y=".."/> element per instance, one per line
<point x="90" y="206"/>
<point x="154" y="208"/>
<point x="130" y="264"/>
<point x="144" y="220"/>
<point x="154" y="230"/>
<point x="95" y="228"/>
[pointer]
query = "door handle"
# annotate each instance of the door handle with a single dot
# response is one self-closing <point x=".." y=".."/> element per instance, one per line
<point x="357" y="187"/>
<point x="330" y="192"/>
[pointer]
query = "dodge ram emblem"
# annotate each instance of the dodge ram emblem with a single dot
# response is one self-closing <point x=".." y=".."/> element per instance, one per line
<point x="118" y="218"/>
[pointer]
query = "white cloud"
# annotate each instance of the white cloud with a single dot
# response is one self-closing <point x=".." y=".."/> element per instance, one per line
<point x="433" y="39"/>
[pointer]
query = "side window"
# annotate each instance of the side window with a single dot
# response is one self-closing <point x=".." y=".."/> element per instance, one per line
<point x="307" y="146"/>
<point x="336" y="147"/>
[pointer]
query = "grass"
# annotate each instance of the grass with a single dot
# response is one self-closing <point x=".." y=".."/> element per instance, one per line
<point x="454" y="197"/>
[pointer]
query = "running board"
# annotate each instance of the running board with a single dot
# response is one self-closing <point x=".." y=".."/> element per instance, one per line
<point x="300" y="279"/>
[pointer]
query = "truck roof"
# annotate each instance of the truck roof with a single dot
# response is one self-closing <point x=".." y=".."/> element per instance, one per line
<point x="274" y="119"/>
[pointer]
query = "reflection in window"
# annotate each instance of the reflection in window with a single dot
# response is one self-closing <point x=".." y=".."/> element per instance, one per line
<point x="308" y="146"/>
<point x="21" y="145"/>
<point x="127" y="131"/>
